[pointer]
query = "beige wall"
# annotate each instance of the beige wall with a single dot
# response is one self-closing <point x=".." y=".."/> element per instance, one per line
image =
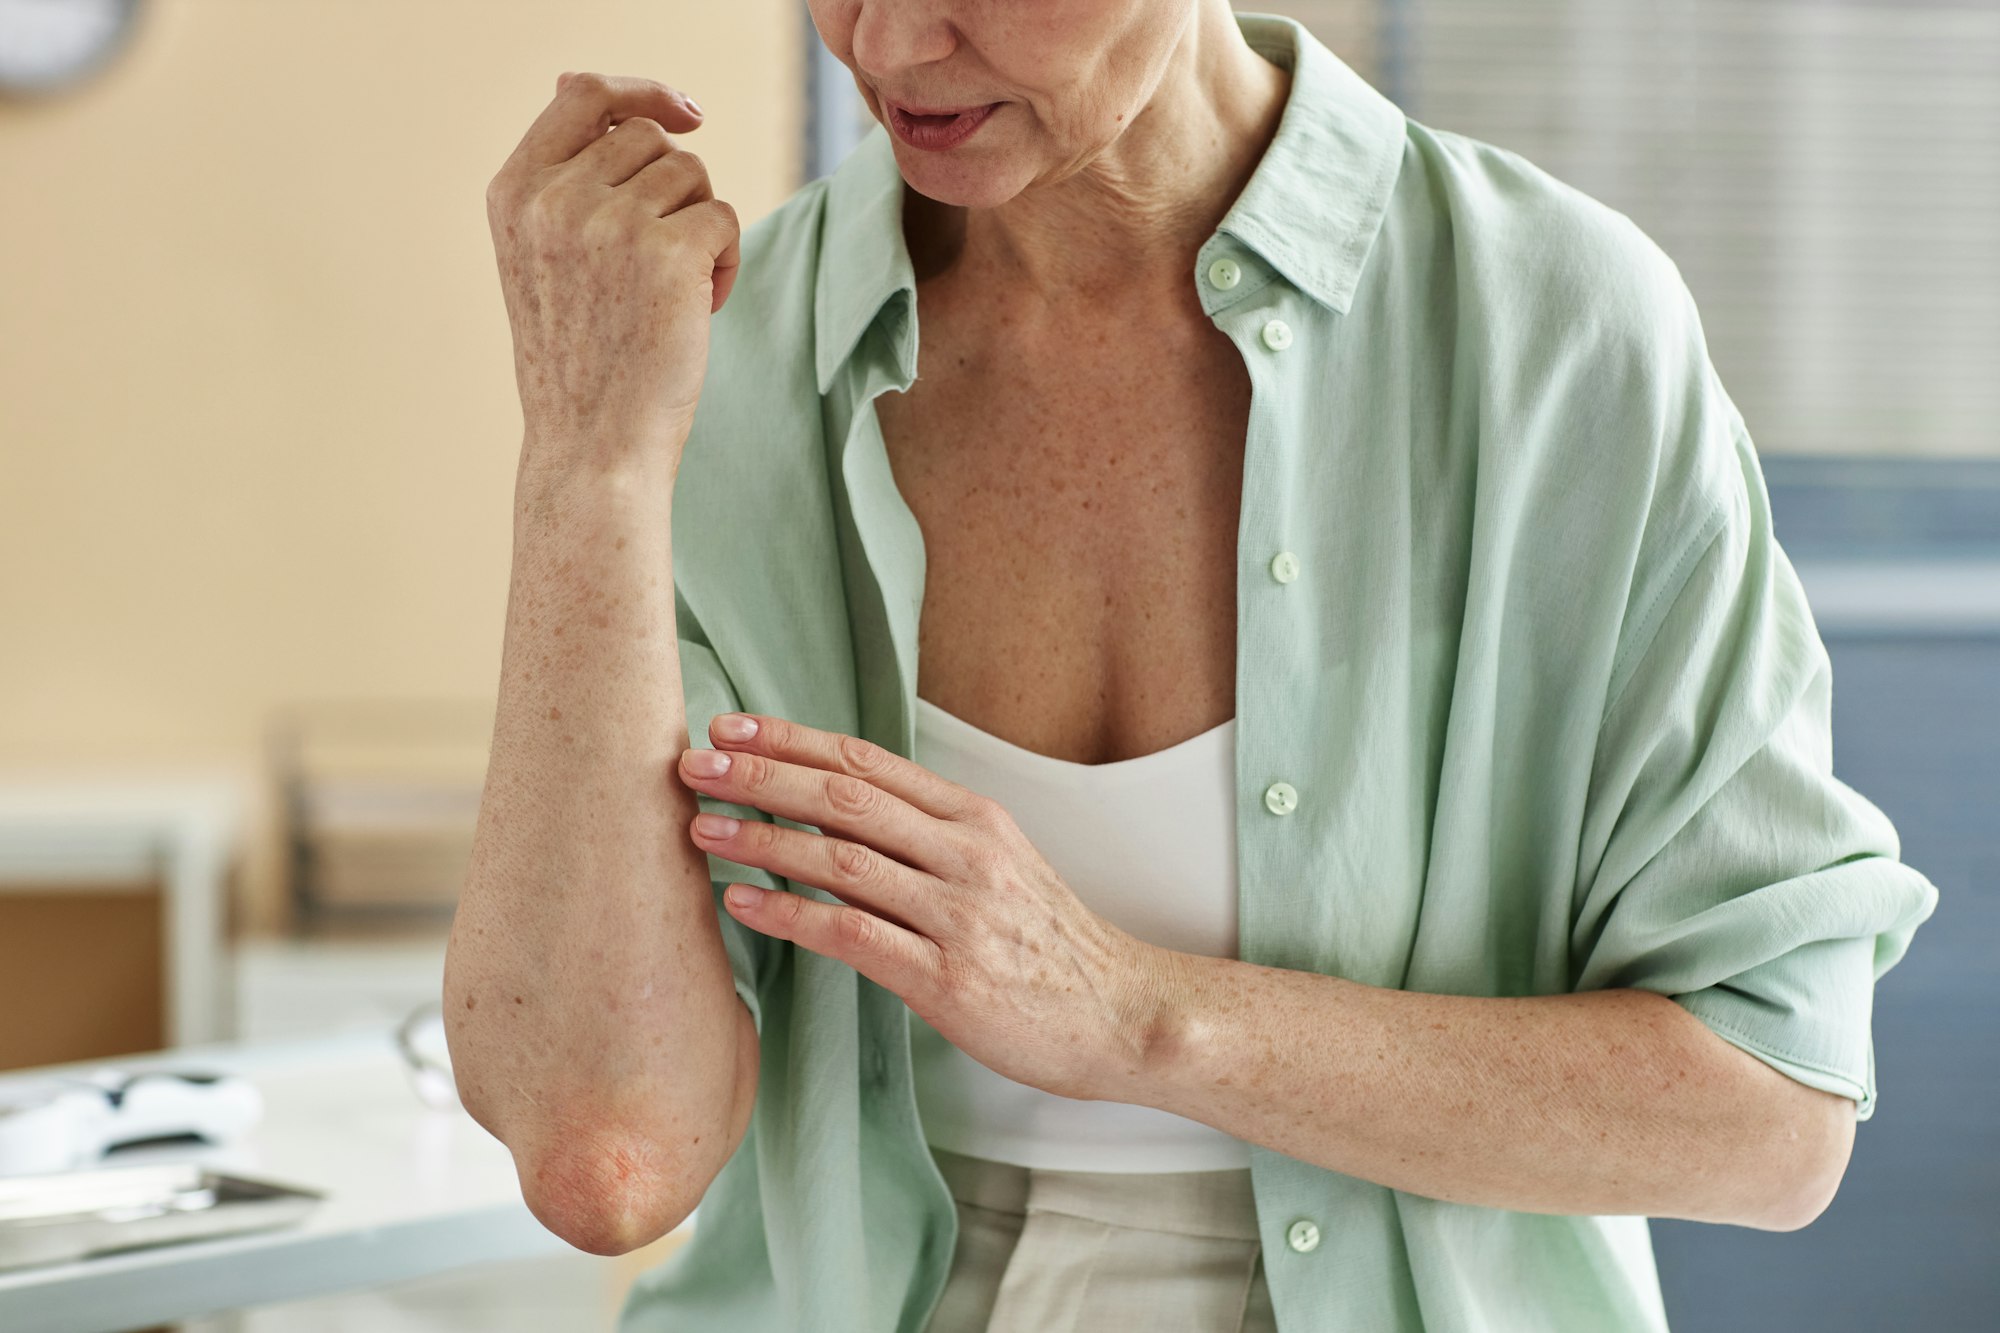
<point x="257" y="413"/>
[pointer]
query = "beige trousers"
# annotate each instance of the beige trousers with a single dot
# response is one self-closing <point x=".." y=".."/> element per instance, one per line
<point x="1091" y="1251"/>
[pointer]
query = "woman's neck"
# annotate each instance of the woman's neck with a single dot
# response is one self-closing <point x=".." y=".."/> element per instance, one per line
<point x="1126" y="226"/>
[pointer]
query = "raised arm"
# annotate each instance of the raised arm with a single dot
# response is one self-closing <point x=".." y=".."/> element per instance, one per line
<point x="593" y="1023"/>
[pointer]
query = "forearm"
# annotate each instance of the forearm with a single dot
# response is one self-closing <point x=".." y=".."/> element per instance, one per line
<point x="592" y="1020"/>
<point x="1607" y="1102"/>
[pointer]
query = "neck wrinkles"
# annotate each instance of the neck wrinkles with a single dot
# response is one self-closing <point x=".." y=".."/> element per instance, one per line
<point x="1130" y="221"/>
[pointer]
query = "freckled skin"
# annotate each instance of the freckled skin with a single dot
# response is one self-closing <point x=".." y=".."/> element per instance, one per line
<point x="581" y="846"/>
<point x="1603" y="1102"/>
<point x="1073" y="445"/>
<point x="1119" y="483"/>
<point x="1107" y="586"/>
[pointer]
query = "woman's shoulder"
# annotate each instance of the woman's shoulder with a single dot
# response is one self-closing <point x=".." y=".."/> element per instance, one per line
<point x="1565" y="301"/>
<point x="1546" y="268"/>
<point x="1597" y="397"/>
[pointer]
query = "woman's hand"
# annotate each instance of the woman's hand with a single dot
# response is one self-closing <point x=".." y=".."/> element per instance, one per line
<point x="942" y="900"/>
<point x="613" y="253"/>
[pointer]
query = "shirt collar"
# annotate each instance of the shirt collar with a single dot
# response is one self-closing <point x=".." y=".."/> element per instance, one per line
<point x="863" y="258"/>
<point x="1317" y="198"/>
<point x="1311" y="209"/>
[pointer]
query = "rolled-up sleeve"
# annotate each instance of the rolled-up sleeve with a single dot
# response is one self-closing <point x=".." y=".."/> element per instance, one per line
<point x="708" y="691"/>
<point x="1722" y="864"/>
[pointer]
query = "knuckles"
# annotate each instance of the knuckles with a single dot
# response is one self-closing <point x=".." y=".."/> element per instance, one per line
<point x="857" y="930"/>
<point x="761" y="835"/>
<point x="749" y="773"/>
<point x="989" y="814"/>
<point x="604" y="226"/>
<point x="645" y="127"/>
<point x="852" y="862"/>
<point x="858" y="756"/>
<point x="851" y="796"/>
<point x="985" y="860"/>
<point x="562" y="220"/>
<point x="503" y="197"/>
<point x="788" y="908"/>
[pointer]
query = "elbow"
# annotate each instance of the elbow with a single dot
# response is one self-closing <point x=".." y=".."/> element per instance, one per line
<point x="1825" y="1148"/>
<point x="1795" y="1211"/>
<point x="1801" y="1207"/>
<point x="606" y="1194"/>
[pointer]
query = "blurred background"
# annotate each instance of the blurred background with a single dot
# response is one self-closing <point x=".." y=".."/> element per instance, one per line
<point x="258" y="431"/>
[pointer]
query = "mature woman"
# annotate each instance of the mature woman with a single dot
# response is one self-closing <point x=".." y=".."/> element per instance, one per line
<point x="1361" y="837"/>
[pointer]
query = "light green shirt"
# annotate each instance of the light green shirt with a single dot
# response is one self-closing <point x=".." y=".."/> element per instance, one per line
<point x="1529" y="700"/>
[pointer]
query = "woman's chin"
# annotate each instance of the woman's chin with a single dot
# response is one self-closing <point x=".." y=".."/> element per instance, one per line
<point x="961" y="184"/>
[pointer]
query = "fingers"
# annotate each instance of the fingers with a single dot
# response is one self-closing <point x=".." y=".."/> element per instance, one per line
<point x="888" y="955"/>
<point x="851" y="871"/>
<point x="612" y="130"/>
<point x="586" y="105"/>
<point x="640" y="159"/>
<point x="636" y="143"/>
<point x="676" y="188"/>
<point x="778" y="738"/>
<point x="668" y="180"/>
<point x="837" y="803"/>
<point x="713" y="225"/>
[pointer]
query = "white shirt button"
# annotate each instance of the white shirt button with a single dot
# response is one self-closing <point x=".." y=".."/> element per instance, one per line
<point x="1224" y="274"/>
<point x="1284" y="566"/>
<point x="1302" y="1235"/>
<point x="1277" y="335"/>
<point x="1281" y="798"/>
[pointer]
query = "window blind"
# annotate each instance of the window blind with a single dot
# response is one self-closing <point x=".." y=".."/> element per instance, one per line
<point x="1826" y="175"/>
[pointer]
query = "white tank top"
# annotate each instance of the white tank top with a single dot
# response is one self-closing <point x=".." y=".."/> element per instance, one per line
<point x="1150" y="845"/>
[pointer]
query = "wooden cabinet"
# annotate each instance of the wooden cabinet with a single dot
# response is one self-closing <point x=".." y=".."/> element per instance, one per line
<point x="112" y="899"/>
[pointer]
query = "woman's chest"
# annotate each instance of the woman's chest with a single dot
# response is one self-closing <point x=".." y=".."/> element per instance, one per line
<point x="1079" y="511"/>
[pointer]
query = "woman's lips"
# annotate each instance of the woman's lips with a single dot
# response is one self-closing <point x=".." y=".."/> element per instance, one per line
<point x="937" y="129"/>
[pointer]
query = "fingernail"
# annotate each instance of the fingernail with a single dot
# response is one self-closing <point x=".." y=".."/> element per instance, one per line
<point x="742" y="895"/>
<point x="707" y="763"/>
<point x="733" y="727"/>
<point x="690" y="104"/>
<point x="716" y="826"/>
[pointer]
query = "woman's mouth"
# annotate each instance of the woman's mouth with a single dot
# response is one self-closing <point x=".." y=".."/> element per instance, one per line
<point x="937" y="129"/>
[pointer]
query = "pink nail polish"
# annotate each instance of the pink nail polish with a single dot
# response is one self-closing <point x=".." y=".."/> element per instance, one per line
<point x="707" y="763"/>
<point x="716" y="826"/>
